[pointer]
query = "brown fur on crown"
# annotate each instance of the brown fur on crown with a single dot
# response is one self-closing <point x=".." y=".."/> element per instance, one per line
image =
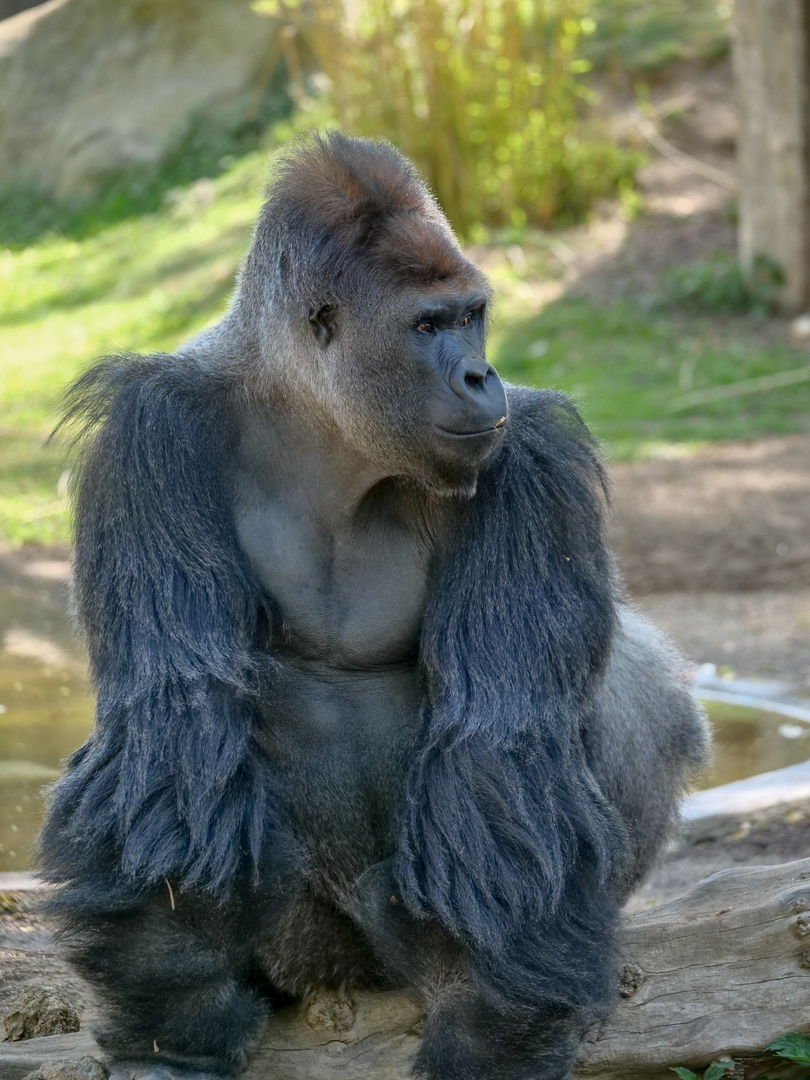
<point x="414" y="249"/>
<point x="361" y="197"/>
<point x="343" y="180"/>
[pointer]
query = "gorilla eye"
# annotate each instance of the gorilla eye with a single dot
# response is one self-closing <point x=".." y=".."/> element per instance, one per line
<point x="467" y="320"/>
<point x="425" y="327"/>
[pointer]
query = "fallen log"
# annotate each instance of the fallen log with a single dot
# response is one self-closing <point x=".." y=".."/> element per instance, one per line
<point x="717" y="973"/>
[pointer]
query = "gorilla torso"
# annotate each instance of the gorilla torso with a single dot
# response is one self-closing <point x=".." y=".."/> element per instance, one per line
<point x="342" y="704"/>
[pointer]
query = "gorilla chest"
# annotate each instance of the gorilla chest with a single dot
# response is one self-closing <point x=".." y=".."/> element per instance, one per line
<point x="342" y="711"/>
<point x="352" y="599"/>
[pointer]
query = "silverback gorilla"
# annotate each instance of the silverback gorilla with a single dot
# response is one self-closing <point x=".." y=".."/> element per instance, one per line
<point x="370" y="711"/>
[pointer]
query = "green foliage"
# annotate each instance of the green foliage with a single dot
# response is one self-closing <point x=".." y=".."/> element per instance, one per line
<point x="488" y="97"/>
<point x="637" y="38"/>
<point x="714" y="1072"/>
<point x="794" y="1046"/>
<point x="719" y="284"/>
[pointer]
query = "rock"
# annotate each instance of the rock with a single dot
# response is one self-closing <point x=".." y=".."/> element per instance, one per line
<point x="331" y="1014"/>
<point x="83" y="1068"/>
<point x="88" y="87"/>
<point x="39" y="1011"/>
<point x="800" y="327"/>
<point x="14" y="7"/>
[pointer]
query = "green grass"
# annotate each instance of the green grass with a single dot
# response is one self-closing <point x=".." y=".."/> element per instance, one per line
<point x="625" y="366"/>
<point x="146" y="280"/>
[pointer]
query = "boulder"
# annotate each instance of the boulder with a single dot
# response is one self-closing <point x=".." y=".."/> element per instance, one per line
<point x="12" y="7"/>
<point x="89" y="87"/>
<point x="38" y="1012"/>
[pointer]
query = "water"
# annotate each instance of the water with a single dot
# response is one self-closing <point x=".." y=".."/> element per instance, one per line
<point x="748" y="741"/>
<point x="46" y="709"/>
<point x="45" y="704"/>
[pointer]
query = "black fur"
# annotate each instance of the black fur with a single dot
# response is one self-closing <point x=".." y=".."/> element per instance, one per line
<point x="504" y="827"/>
<point x="516" y="823"/>
<point x="170" y="780"/>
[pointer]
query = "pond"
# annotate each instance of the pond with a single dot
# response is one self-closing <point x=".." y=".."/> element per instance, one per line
<point x="45" y="704"/>
<point x="46" y="709"/>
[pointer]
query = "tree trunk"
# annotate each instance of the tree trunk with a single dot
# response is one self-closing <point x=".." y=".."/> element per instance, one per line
<point x="771" y="51"/>
<point x="719" y="972"/>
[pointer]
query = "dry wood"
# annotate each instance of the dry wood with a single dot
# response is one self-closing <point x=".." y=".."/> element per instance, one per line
<point x="719" y="972"/>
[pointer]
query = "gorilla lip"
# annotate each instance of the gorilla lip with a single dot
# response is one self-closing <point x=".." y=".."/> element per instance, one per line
<point x="495" y="429"/>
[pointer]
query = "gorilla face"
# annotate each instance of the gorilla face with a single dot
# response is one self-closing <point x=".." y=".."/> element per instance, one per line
<point x="412" y="385"/>
<point x="466" y="409"/>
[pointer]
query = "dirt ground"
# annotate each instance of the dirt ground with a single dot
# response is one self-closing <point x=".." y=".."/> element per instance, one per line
<point x="715" y="547"/>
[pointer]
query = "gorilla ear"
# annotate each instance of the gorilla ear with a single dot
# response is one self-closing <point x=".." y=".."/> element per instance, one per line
<point x="324" y="324"/>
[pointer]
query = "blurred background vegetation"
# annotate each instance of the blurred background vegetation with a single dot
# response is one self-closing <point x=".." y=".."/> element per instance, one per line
<point x="520" y="115"/>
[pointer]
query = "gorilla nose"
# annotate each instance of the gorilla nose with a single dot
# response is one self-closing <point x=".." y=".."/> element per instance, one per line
<point x="477" y="383"/>
<point x="469" y="376"/>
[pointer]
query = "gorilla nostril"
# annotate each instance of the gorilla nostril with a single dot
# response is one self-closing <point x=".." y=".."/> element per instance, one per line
<point x="470" y="378"/>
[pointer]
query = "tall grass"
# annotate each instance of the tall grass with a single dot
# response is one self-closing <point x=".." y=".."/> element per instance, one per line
<point x="487" y="96"/>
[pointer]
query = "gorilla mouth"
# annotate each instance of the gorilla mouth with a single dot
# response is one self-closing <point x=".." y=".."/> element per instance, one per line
<point x="493" y="429"/>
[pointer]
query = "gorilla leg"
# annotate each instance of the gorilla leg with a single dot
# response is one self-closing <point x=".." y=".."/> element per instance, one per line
<point x="175" y="985"/>
<point x="466" y="1038"/>
<point x="646" y="738"/>
<point x="477" y="1028"/>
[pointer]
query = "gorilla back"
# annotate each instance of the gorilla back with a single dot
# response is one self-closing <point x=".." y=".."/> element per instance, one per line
<point x="370" y="709"/>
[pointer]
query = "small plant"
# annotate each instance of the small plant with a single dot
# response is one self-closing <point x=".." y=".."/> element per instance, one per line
<point x="721" y="285"/>
<point x="794" y="1046"/>
<point x="714" y="1072"/>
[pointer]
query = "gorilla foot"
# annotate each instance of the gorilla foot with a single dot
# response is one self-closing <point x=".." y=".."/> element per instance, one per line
<point x="150" y="1070"/>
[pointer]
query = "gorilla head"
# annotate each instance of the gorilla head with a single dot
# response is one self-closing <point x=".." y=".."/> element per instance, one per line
<point x="360" y="303"/>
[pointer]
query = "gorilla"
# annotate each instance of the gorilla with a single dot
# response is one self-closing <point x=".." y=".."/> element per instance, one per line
<point x="372" y="711"/>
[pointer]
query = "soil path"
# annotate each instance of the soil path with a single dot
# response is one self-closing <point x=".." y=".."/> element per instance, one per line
<point x="715" y="547"/>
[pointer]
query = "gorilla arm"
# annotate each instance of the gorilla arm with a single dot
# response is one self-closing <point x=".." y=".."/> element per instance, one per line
<point x="169" y="609"/>
<point x="508" y="837"/>
<point x="646" y="739"/>
<point x="169" y="786"/>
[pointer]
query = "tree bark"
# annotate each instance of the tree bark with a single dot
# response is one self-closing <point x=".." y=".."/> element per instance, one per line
<point x="771" y="52"/>
<point x="719" y="972"/>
